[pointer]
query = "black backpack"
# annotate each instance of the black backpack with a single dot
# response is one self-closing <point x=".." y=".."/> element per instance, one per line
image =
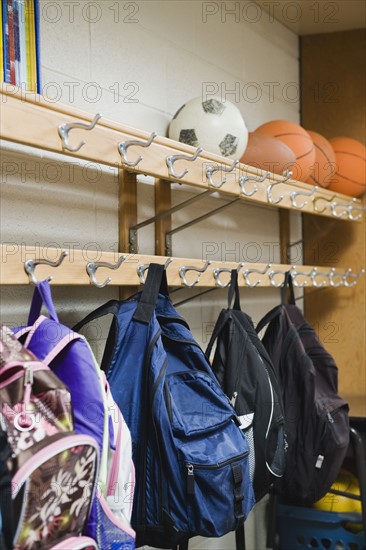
<point x="317" y="422"/>
<point x="245" y="372"/>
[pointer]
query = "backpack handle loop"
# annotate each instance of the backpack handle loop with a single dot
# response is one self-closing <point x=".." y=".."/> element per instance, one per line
<point x="234" y="291"/>
<point x="142" y="268"/>
<point x="156" y="282"/>
<point x="288" y="283"/>
<point x="42" y="296"/>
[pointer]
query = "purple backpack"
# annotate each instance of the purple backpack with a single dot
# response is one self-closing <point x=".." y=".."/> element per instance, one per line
<point x="69" y="356"/>
<point x="53" y="470"/>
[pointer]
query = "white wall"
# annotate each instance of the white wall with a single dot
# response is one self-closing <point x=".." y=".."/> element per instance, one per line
<point x="137" y="63"/>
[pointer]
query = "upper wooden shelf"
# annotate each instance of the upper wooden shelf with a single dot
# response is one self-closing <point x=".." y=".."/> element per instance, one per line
<point x="30" y="120"/>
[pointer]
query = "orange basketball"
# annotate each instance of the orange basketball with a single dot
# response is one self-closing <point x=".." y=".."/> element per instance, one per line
<point x="350" y="176"/>
<point x="324" y="167"/>
<point x="295" y="137"/>
<point x="268" y="153"/>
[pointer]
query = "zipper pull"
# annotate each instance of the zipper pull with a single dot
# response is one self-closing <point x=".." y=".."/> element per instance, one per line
<point x="28" y="375"/>
<point x="28" y="381"/>
<point x="190" y="479"/>
<point x="330" y="418"/>
<point x="233" y="399"/>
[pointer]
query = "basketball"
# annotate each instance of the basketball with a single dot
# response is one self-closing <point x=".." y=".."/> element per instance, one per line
<point x="268" y="153"/>
<point x="216" y="126"/>
<point x="324" y="167"/>
<point x="337" y="503"/>
<point x="350" y="176"/>
<point x="299" y="141"/>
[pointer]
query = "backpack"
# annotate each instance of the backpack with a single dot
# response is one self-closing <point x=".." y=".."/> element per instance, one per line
<point x="6" y="512"/>
<point x="54" y="470"/>
<point x="316" y="416"/>
<point x="191" y="458"/>
<point x="70" y="357"/>
<point x="245" y="372"/>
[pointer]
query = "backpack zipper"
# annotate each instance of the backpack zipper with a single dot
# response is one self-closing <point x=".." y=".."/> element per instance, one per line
<point x="191" y="467"/>
<point x="147" y="361"/>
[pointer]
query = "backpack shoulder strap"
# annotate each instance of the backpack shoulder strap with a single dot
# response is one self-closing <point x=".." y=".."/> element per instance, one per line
<point x="156" y="282"/>
<point x="108" y="307"/>
<point x="219" y="326"/>
<point x="222" y="320"/>
<point x="60" y="346"/>
<point x="275" y="312"/>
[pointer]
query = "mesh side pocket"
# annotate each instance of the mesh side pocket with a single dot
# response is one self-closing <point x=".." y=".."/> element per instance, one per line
<point x="250" y="439"/>
<point x="111" y="533"/>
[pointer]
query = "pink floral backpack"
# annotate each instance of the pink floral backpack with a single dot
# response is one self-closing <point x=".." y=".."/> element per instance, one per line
<point x="53" y="469"/>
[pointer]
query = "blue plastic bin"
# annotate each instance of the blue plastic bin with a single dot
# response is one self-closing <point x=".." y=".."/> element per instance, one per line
<point x="304" y="528"/>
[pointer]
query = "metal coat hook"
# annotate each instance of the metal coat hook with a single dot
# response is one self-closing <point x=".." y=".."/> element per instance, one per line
<point x="352" y="275"/>
<point x="173" y="158"/>
<point x="295" y="273"/>
<point x="64" y="129"/>
<point x="124" y="145"/>
<point x="248" y="272"/>
<point x="320" y="198"/>
<point x="217" y="272"/>
<point x="335" y="205"/>
<point x="287" y="175"/>
<point x="332" y="273"/>
<point x="314" y="274"/>
<point x="244" y="180"/>
<point x="211" y="170"/>
<point x="296" y="194"/>
<point x="272" y="275"/>
<point x="92" y="267"/>
<point x="183" y="271"/>
<point x="142" y="268"/>
<point x="30" y="266"/>
<point x="353" y="207"/>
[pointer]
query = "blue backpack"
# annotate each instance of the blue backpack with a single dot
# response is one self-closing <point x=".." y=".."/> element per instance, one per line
<point x="191" y="458"/>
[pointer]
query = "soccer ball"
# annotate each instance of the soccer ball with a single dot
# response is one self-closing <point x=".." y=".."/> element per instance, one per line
<point x="216" y="126"/>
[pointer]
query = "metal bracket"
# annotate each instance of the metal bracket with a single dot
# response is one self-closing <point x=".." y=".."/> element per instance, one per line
<point x="134" y="228"/>
<point x="168" y="236"/>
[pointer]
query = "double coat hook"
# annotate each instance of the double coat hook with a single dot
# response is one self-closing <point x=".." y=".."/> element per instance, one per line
<point x="173" y="158"/>
<point x="211" y="170"/>
<point x="286" y="176"/>
<point x="124" y="145"/>
<point x="244" y="180"/>
<point x="30" y="265"/>
<point x="199" y="270"/>
<point x="64" y="130"/>
<point x="91" y="269"/>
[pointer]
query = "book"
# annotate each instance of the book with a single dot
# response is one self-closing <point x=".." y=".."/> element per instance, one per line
<point x="12" y="78"/>
<point x="1" y="46"/>
<point x="31" y="46"/>
<point x="37" y="45"/>
<point x="5" y="40"/>
<point x="20" y="44"/>
<point x="16" y="42"/>
<point x="23" y="46"/>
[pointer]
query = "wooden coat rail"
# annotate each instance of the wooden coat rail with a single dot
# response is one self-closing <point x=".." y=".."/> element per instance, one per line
<point x="30" y="120"/>
<point x="71" y="269"/>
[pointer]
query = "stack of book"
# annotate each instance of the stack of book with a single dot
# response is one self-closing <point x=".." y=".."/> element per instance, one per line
<point x="19" y="45"/>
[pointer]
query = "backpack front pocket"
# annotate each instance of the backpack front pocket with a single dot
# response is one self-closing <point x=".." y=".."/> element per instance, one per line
<point x="212" y="453"/>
